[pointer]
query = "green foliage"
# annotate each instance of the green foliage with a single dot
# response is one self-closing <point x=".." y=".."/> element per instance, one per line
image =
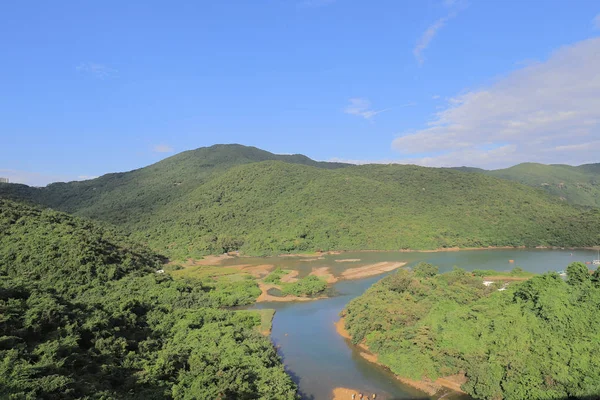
<point x="539" y="339"/>
<point x="577" y="185"/>
<point x="425" y="270"/>
<point x="84" y="315"/>
<point x="308" y="286"/>
<point x="516" y="272"/>
<point x="275" y="276"/>
<point x="228" y="198"/>
<point x="577" y="273"/>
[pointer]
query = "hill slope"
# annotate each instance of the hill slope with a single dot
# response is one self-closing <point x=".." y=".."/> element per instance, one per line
<point x="85" y="316"/>
<point x="217" y="199"/>
<point x="577" y="185"/>
<point x="127" y="198"/>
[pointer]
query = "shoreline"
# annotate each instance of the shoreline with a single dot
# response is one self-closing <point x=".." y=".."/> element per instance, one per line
<point x="451" y="383"/>
<point x="216" y="259"/>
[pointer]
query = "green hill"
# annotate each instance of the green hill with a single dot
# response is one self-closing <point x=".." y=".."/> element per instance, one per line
<point x="129" y="197"/>
<point x="577" y="185"/>
<point x="229" y="198"/>
<point x="84" y="315"/>
<point x="529" y="340"/>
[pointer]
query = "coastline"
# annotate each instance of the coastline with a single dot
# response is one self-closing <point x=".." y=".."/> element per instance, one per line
<point x="451" y="383"/>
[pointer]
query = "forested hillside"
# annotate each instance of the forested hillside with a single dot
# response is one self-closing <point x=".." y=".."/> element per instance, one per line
<point x="576" y="185"/>
<point x="84" y="315"/>
<point x="231" y="197"/>
<point x="538" y="339"/>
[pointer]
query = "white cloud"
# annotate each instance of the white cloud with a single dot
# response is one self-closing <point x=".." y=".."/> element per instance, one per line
<point x="436" y="96"/>
<point x="96" y="70"/>
<point x="428" y="36"/>
<point x="362" y="108"/>
<point x="597" y="22"/>
<point x="545" y="112"/>
<point x="162" y="148"/>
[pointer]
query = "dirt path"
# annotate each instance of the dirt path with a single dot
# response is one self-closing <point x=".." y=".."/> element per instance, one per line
<point x="372" y="269"/>
<point x="452" y="382"/>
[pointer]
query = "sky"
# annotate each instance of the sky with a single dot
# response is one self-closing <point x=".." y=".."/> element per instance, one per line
<point x="92" y="87"/>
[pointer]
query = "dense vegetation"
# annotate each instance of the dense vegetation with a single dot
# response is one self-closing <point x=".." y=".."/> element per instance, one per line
<point x="308" y="286"/>
<point x="83" y="314"/>
<point x="231" y="197"/>
<point x="539" y="339"/>
<point x="577" y="185"/>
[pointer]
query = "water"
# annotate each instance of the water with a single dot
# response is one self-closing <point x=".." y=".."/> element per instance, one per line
<point x="320" y="360"/>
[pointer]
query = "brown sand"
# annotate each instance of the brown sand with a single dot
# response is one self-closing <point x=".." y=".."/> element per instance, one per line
<point x="323" y="272"/>
<point x="264" y="296"/>
<point x="370" y="270"/>
<point x="452" y="382"/>
<point x="291" y="277"/>
<point x="346" y="394"/>
<point x="257" y="271"/>
<point x="311" y="259"/>
<point x="348" y="260"/>
<point x="210" y="260"/>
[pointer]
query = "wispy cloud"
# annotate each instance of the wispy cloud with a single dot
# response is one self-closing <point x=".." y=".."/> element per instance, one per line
<point x="428" y="36"/>
<point x="546" y="112"/>
<point x="597" y="22"/>
<point x="433" y="29"/>
<point x="362" y="107"/>
<point x="162" y="148"/>
<point x="99" y="71"/>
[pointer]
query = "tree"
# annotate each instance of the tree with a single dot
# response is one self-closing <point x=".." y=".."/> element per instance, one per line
<point x="577" y="273"/>
<point x="425" y="270"/>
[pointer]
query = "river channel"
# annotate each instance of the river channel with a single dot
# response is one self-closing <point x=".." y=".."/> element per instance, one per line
<point x="320" y="360"/>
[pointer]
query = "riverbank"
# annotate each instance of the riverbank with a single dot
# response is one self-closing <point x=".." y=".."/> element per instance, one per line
<point x="452" y="382"/>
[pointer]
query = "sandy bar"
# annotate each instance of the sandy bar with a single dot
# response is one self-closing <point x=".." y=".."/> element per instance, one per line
<point x="266" y="297"/>
<point x="370" y="270"/>
<point x="452" y="382"/>
<point x="291" y="277"/>
<point x="324" y="273"/>
<point x="348" y="260"/>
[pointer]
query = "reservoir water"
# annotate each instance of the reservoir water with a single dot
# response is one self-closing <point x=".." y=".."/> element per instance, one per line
<point x="320" y="360"/>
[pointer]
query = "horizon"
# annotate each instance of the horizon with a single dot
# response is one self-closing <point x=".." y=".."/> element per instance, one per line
<point x="289" y="154"/>
<point x="443" y="83"/>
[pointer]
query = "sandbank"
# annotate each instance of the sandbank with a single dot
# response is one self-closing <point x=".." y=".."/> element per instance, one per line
<point x="452" y="382"/>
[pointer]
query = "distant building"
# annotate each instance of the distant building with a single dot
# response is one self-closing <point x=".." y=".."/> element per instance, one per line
<point x="3" y="180"/>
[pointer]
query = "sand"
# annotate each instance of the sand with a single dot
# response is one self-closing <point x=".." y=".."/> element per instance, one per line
<point x="291" y="277"/>
<point x="210" y="260"/>
<point x="372" y="269"/>
<point x="452" y="382"/>
<point x="266" y="297"/>
<point x="325" y="273"/>
<point x="348" y="260"/>
<point x="346" y="394"/>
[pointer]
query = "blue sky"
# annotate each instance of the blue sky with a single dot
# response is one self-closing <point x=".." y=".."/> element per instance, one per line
<point x="104" y="86"/>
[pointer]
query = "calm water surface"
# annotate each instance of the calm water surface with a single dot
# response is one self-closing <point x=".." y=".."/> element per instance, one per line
<point x="320" y="360"/>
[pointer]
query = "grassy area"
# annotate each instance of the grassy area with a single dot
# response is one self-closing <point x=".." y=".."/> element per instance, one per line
<point x="517" y="273"/>
<point x="266" y="319"/>
<point x="203" y="272"/>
